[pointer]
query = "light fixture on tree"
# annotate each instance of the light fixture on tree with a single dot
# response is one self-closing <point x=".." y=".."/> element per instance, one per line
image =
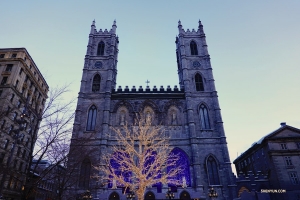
<point x="212" y="193"/>
<point x="184" y="185"/>
<point x="87" y="195"/>
<point x="130" y="195"/>
<point x="170" y="194"/>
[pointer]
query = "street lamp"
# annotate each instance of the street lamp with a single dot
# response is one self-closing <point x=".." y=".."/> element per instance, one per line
<point x="170" y="194"/>
<point x="212" y="193"/>
<point x="130" y="195"/>
<point x="87" y="195"/>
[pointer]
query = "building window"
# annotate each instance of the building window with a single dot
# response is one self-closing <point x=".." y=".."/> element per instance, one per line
<point x="5" y="145"/>
<point x="85" y="170"/>
<point x="15" y="114"/>
<point x="96" y="83"/>
<point x="21" y="71"/>
<point x="204" y="118"/>
<point x="288" y="161"/>
<point x="24" y="154"/>
<point x="9" y="67"/>
<point x="213" y="172"/>
<point x="199" y="82"/>
<point x="11" y="128"/>
<point x="4" y="80"/>
<point x="283" y="146"/>
<point x="3" y="124"/>
<point x="12" y="97"/>
<point x="294" y="178"/>
<point x="2" y="55"/>
<point x="1" y="92"/>
<point x="100" y="50"/>
<point x="17" y="83"/>
<point x="91" y="119"/>
<point x="298" y="145"/>
<point x="14" y="55"/>
<point x="19" y="104"/>
<point x="193" y="46"/>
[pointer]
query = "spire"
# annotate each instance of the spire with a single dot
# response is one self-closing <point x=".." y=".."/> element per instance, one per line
<point x="179" y="26"/>
<point x="200" y="27"/>
<point x="114" y="26"/>
<point x="93" y="27"/>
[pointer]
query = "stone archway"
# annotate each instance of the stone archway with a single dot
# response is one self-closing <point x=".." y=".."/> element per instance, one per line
<point x="149" y="196"/>
<point x="114" y="196"/>
<point x="185" y="195"/>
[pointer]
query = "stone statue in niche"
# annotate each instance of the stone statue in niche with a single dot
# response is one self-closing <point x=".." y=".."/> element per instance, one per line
<point x="174" y="118"/>
<point x="122" y="118"/>
<point x="148" y="117"/>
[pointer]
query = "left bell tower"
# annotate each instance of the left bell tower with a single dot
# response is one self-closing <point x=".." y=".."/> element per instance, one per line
<point x="100" y="61"/>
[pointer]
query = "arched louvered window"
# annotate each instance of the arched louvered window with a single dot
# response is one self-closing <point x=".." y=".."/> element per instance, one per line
<point x="91" y="121"/>
<point x="199" y="82"/>
<point x="96" y="83"/>
<point x="100" y="50"/>
<point x="213" y="172"/>
<point x="194" y="50"/>
<point x="204" y="118"/>
<point x="85" y="171"/>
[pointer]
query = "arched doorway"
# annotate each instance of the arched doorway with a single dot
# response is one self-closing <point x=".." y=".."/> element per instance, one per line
<point x="114" y="196"/>
<point x="185" y="195"/>
<point x="149" y="196"/>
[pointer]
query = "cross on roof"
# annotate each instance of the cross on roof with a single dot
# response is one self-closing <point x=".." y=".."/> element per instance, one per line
<point x="147" y="82"/>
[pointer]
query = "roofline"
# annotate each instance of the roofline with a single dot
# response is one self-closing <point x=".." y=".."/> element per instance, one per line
<point x="23" y="48"/>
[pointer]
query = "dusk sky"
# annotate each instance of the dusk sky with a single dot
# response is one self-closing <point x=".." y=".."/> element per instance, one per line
<point x="254" y="48"/>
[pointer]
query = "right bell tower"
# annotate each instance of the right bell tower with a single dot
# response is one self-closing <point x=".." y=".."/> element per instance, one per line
<point x="209" y="151"/>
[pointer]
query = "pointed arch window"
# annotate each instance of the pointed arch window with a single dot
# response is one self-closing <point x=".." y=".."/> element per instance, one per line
<point x="193" y="46"/>
<point x="213" y="172"/>
<point x="85" y="171"/>
<point x="100" y="50"/>
<point x="91" y="121"/>
<point x="199" y="82"/>
<point x="204" y="118"/>
<point x="96" y="83"/>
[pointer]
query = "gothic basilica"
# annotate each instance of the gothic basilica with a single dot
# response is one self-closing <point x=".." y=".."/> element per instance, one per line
<point x="190" y="114"/>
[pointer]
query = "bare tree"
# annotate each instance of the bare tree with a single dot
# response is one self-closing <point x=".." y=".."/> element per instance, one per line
<point x="141" y="158"/>
<point x="49" y="138"/>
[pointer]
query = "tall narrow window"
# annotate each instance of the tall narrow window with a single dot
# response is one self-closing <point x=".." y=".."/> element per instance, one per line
<point x="96" y="83"/>
<point x="4" y="80"/>
<point x="288" y="161"/>
<point x="204" y="118"/>
<point x="199" y="82"/>
<point x="194" y="50"/>
<point x="100" y="50"/>
<point x="91" y="119"/>
<point x="212" y="171"/>
<point x="85" y="170"/>
<point x="294" y="178"/>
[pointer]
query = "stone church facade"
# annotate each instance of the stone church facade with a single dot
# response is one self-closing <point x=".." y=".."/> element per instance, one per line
<point x="189" y="113"/>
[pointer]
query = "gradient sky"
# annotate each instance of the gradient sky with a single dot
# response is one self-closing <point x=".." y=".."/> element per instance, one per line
<point x="254" y="48"/>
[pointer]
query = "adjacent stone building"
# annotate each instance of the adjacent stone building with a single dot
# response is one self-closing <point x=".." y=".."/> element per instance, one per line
<point x="272" y="163"/>
<point x="21" y="83"/>
<point x="190" y="114"/>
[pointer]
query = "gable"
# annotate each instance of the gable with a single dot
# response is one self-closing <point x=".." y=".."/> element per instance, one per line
<point x="287" y="132"/>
